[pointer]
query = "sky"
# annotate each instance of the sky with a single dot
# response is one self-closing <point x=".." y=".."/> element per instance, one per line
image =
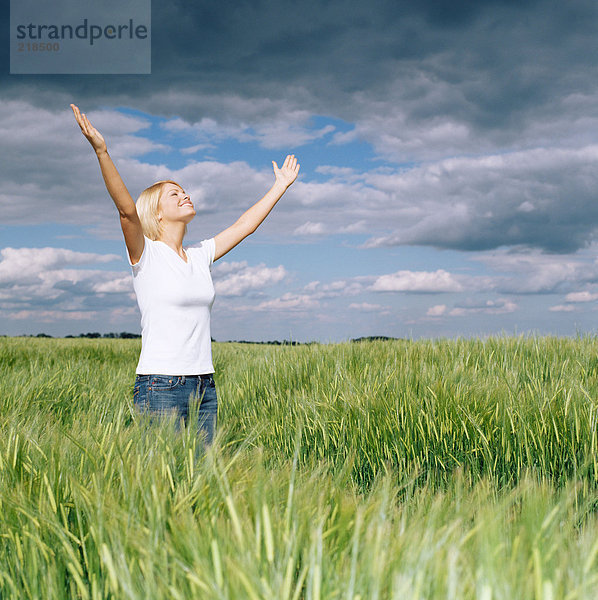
<point x="448" y="183"/>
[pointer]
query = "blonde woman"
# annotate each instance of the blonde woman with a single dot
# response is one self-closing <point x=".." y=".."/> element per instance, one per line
<point x="173" y="285"/>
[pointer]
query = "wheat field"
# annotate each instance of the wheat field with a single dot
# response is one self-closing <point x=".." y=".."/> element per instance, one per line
<point x="380" y="469"/>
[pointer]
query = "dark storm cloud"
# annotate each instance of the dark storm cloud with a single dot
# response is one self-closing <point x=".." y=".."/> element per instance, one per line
<point x="493" y="60"/>
<point x="542" y="198"/>
<point x="421" y="81"/>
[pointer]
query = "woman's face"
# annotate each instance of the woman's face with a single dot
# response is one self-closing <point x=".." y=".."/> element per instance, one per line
<point x="175" y="205"/>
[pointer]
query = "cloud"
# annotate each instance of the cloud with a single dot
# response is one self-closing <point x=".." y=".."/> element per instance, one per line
<point x="489" y="307"/>
<point x="50" y="316"/>
<point x="310" y="228"/>
<point x="51" y="175"/>
<point x="195" y="148"/>
<point x="536" y="272"/>
<point x="368" y="307"/>
<point x="119" y="285"/>
<point x="458" y="126"/>
<point x="584" y="296"/>
<point x="339" y="287"/>
<point x="436" y="311"/>
<point x="475" y="203"/>
<point x="20" y="265"/>
<point x="418" y="81"/>
<point x="424" y="76"/>
<point x="283" y="129"/>
<point x="238" y="278"/>
<point x="39" y="284"/>
<point x="537" y="197"/>
<point x="417" y="281"/>
<point x="288" y="302"/>
<point x="562" y="308"/>
<point x="572" y="299"/>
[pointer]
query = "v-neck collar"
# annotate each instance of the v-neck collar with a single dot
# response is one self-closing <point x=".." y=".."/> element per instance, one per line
<point x="186" y="262"/>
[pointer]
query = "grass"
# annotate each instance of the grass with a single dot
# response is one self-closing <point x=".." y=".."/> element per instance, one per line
<point x="372" y="470"/>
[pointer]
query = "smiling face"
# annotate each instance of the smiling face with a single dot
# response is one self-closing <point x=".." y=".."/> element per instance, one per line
<point x="174" y="205"/>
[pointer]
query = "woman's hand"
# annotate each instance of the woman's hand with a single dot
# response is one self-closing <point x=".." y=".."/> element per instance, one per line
<point x="89" y="131"/>
<point x="252" y="218"/>
<point x="288" y="172"/>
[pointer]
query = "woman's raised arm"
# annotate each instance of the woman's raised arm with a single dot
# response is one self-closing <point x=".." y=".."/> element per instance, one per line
<point x="129" y="219"/>
<point x="252" y="218"/>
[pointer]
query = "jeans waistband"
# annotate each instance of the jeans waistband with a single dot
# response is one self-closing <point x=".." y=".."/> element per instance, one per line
<point x="203" y="376"/>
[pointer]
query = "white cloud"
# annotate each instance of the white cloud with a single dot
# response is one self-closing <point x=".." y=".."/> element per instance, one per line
<point x="119" y="285"/>
<point x="533" y="271"/>
<point x="281" y="128"/>
<point x="417" y="281"/>
<point x="27" y="264"/>
<point x="490" y="307"/>
<point x="526" y="206"/>
<point x="340" y="287"/>
<point x="562" y="308"/>
<point x="368" y="307"/>
<point x="50" y="316"/>
<point x="51" y="172"/>
<point x="584" y="296"/>
<point x="196" y="148"/>
<point x="288" y="302"/>
<point x="310" y="228"/>
<point x="38" y="284"/>
<point x="436" y="311"/>
<point x="235" y="279"/>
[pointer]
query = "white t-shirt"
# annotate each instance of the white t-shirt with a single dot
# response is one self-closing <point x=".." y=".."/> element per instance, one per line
<point x="175" y="299"/>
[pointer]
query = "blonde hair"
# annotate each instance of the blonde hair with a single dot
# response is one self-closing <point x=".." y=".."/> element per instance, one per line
<point x="148" y="206"/>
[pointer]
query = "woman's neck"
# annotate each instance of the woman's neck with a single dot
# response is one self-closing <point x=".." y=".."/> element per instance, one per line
<point x="174" y="239"/>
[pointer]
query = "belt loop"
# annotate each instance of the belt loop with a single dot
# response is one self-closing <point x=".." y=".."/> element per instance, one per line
<point x="183" y="380"/>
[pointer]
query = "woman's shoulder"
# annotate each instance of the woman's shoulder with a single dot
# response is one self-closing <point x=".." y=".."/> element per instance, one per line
<point x="199" y="246"/>
<point x="205" y="248"/>
<point x="148" y="250"/>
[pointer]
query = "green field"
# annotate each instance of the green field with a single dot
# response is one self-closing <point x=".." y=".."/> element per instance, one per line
<point x="372" y="470"/>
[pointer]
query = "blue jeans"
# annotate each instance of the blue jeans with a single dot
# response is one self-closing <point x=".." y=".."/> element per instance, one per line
<point x="164" y="395"/>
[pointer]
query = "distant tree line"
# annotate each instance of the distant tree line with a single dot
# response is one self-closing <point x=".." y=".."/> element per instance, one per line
<point x="373" y="338"/>
<point x="125" y="335"/>
<point x="369" y="338"/>
<point x="271" y="342"/>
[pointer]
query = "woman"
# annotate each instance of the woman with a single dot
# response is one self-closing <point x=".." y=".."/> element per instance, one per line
<point x="173" y="285"/>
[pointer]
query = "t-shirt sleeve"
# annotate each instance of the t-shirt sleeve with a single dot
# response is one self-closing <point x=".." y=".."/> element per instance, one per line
<point x="143" y="259"/>
<point x="207" y="250"/>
